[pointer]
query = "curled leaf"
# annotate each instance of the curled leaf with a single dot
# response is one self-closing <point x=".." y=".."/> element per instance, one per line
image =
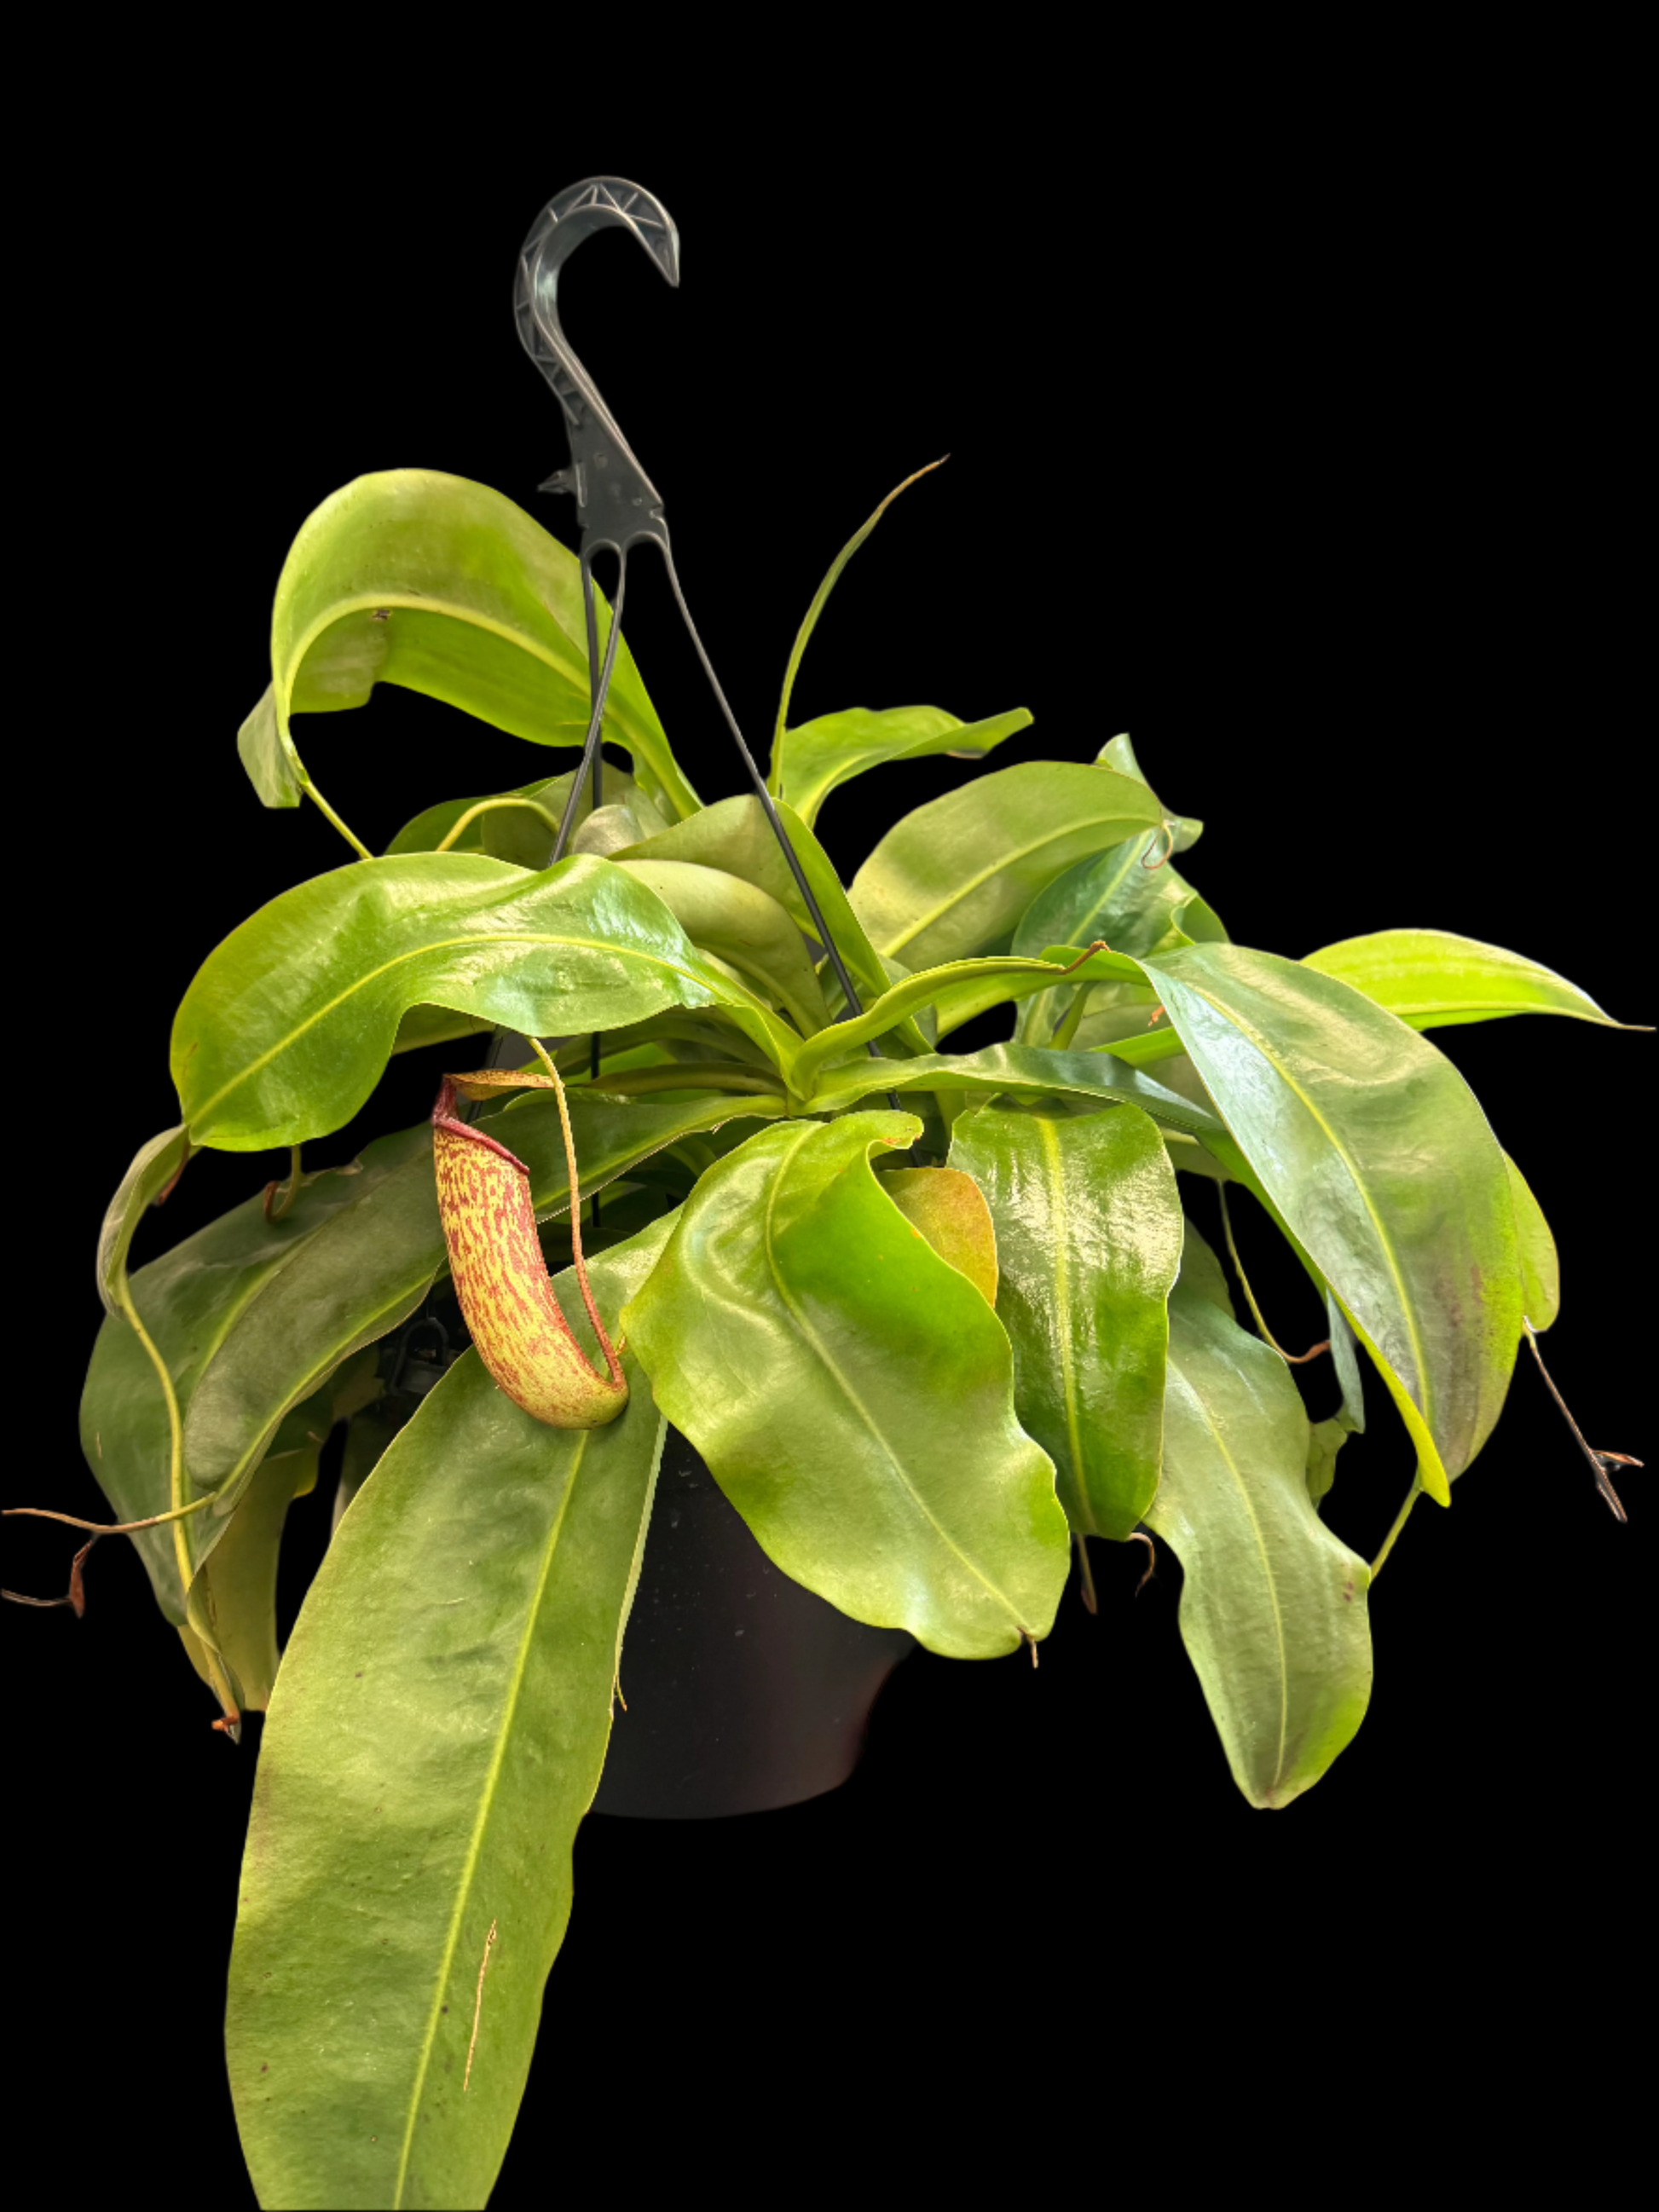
<point x="948" y="1207"/>
<point x="500" y="1277"/>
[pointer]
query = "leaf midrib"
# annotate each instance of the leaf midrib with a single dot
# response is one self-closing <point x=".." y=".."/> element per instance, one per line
<point x="1050" y="1143"/>
<point x="852" y="1397"/>
<point x="475" y="1844"/>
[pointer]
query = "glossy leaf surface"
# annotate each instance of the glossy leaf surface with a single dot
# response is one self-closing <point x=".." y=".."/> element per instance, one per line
<point x="437" y="1733"/>
<point x="742" y="926"/>
<point x="1113" y="896"/>
<point x="1023" y="1072"/>
<point x="1374" y="1151"/>
<point x="287" y="1026"/>
<point x="444" y="587"/>
<point x="853" y="1393"/>
<point x="1273" y="1605"/>
<point x="1088" y="1237"/>
<point x="1429" y="979"/>
<point x="953" y="878"/>
<point x="734" y="836"/>
<point x="1540" y="1264"/>
<point x="820" y="756"/>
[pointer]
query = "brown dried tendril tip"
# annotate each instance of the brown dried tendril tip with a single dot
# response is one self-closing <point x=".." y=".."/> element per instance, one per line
<point x="1601" y="1463"/>
<point x="500" y="1277"/>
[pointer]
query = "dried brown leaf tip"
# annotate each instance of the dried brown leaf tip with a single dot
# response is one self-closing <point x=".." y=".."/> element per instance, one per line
<point x="500" y="1277"/>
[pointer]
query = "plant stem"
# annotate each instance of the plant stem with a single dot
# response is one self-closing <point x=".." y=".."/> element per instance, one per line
<point x="1290" y="1358"/>
<point x="1071" y="1022"/>
<point x="1399" y="1521"/>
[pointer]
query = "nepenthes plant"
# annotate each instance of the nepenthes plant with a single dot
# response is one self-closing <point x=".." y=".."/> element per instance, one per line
<point x="703" y="1162"/>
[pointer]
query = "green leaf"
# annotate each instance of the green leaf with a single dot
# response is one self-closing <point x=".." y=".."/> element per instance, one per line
<point x="237" y="1596"/>
<point x="1273" y="1605"/>
<point x="742" y="926"/>
<point x="822" y="755"/>
<point x="853" y="1393"/>
<point x="735" y="837"/>
<point x="1325" y="1439"/>
<point x="1119" y="754"/>
<point x="1431" y="979"/>
<point x="931" y="987"/>
<point x="1113" y="896"/>
<point x="1378" y="1157"/>
<point x="443" y="586"/>
<point x="948" y="1208"/>
<point x="1088" y="1231"/>
<point x="437" y="1733"/>
<point x="287" y="1027"/>
<point x="953" y="878"/>
<point x="1023" y="1072"/>
<point x="154" y="1166"/>
<point x="1540" y="1264"/>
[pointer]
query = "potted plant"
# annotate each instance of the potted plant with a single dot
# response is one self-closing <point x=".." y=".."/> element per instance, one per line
<point x="919" y="1322"/>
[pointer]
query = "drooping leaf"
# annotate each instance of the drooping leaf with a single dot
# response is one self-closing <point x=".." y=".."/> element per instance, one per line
<point x="436" y="1735"/>
<point x="948" y="1207"/>
<point x="444" y="587"/>
<point x="821" y="756"/>
<point x="953" y="878"/>
<point x="1088" y="1231"/>
<point x="853" y="1393"/>
<point x="286" y="1028"/>
<point x="1428" y="979"/>
<point x="237" y="1596"/>
<point x="1376" y="1153"/>
<point x="1273" y="1605"/>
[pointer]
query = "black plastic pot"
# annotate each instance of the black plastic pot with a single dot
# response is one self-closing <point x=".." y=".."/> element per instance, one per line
<point x="744" y="1691"/>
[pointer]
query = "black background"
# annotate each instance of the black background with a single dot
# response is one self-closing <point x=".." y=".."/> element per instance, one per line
<point x="1307" y="469"/>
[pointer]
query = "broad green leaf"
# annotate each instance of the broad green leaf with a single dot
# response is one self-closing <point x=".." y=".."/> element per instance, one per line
<point x="1374" y="1151"/>
<point x="1088" y="1231"/>
<point x="1114" y="895"/>
<point x="820" y="756"/>
<point x="742" y="926"/>
<point x="1273" y="1605"/>
<point x="1431" y="979"/>
<point x="286" y="1028"/>
<point x="441" y="585"/>
<point x="953" y="878"/>
<point x="436" y="1736"/>
<point x="1540" y="1264"/>
<point x="1325" y="1439"/>
<point x="735" y="837"/>
<point x="1022" y="1072"/>
<point x="1200" y="1275"/>
<point x="853" y="1393"/>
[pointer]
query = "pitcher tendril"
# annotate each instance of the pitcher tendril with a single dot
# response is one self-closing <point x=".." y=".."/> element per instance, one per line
<point x="1601" y="1463"/>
